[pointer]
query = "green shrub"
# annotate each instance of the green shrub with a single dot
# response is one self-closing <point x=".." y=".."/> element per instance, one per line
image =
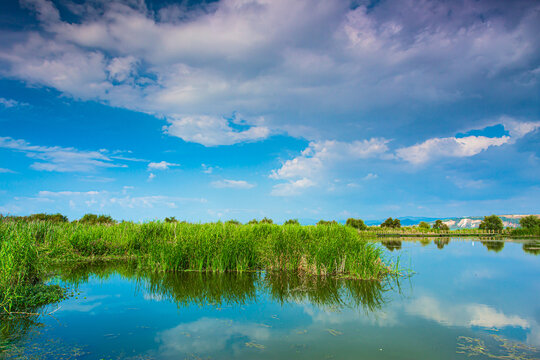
<point x="491" y="223"/>
<point x="356" y="223"/>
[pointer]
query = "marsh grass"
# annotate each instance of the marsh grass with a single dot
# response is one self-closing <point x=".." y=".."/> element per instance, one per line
<point x="28" y="248"/>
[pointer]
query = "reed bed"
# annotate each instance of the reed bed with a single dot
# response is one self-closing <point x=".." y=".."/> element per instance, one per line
<point x="28" y="248"/>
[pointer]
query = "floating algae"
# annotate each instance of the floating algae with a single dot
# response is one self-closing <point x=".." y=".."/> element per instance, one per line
<point x="504" y="348"/>
<point x="334" y="332"/>
<point x="255" y="345"/>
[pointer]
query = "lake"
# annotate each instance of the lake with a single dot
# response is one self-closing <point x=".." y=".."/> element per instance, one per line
<point x="464" y="298"/>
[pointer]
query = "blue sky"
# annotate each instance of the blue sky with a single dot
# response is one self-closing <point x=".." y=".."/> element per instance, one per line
<point x="249" y="108"/>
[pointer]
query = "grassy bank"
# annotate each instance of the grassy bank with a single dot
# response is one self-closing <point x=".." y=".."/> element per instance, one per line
<point x="27" y="249"/>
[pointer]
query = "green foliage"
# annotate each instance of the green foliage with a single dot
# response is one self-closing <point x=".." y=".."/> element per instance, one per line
<point x="55" y="218"/>
<point x="439" y="225"/>
<point x="27" y="248"/>
<point x="171" y="219"/>
<point x="391" y="223"/>
<point x="266" y="221"/>
<point x="356" y="223"/>
<point x="291" y="222"/>
<point x="325" y="222"/>
<point x="424" y="225"/>
<point x="253" y="222"/>
<point x="233" y="222"/>
<point x="491" y="223"/>
<point x="530" y="222"/>
<point x="93" y="219"/>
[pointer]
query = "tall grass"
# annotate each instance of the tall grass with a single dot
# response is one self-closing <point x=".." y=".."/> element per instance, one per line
<point x="26" y="247"/>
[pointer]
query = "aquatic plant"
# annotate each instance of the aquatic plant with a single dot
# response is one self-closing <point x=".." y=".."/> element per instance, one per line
<point x="28" y="247"/>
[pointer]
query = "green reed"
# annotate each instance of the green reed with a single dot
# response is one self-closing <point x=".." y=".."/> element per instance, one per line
<point x="27" y="248"/>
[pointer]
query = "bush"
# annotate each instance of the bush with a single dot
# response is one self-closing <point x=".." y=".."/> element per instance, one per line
<point x="356" y="223"/>
<point x="291" y="222"/>
<point x="171" y="219"/>
<point x="92" y="219"/>
<point x="439" y="225"/>
<point x="530" y="222"/>
<point x="424" y="225"/>
<point x="391" y="223"/>
<point x="233" y="222"/>
<point x="491" y="223"/>
<point x="265" y="220"/>
<point x="324" y="222"/>
<point x="253" y="222"/>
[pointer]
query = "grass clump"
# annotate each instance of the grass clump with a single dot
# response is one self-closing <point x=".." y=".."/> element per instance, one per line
<point x="27" y="248"/>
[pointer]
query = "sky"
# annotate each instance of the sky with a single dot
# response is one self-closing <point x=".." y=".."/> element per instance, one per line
<point x="240" y="109"/>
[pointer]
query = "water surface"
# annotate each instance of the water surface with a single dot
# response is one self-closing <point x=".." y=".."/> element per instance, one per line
<point x="465" y="298"/>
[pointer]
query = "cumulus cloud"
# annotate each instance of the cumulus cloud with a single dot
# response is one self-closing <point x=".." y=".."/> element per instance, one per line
<point x="258" y="57"/>
<point x="213" y="131"/>
<point x="291" y="188"/>
<point x="162" y="165"/>
<point x="449" y="147"/>
<point x="235" y="184"/>
<point x="466" y="146"/>
<point x="319" y="157"/>
<point x="59" y="159"/>
<point x="464" y="314"/>
<point x="208" y="336"/>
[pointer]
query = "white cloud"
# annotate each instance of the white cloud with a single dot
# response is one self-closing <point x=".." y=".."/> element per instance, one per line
<point x="435" y="148"/>
<point x="259" y="57"/>
<point x="213" y="131"/>
<point x="319" y="158"/>
<point x="370" y="176"/>
<point x="463" y="315"/>
<point x="60" y="159"/>
<point x="163" y="165"/>
<point x="291" y="188"/>
<point x="449" y="147"/>
<point x="208" y="336"/>
<point x="151" y="176"/>
<point x="9" y="103"/>
<point x="236" y="184"/>
<point x="6" y="171"/>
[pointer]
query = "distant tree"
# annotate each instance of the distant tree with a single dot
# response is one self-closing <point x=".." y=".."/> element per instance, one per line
<point x="233" y="222"/>
<point x="292" y="222"/>
<point x="356" y="223"/>
<point x="56" y="218"/>
<point x="439" y="225"/>
<point x="424" y="225"/>
<point x="388" y="223"/>
<point x="171" y="219"/>
<point x="93" y="219"/>
<point x="325" y="222"/>
<point x="529" y="222"/>
<point x="265" y="220"/>
<point x="253" y="222"/>
<point x="391" y="223"/>
<point x="492" y="223"/>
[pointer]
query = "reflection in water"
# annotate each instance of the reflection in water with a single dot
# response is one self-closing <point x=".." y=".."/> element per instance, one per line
<point x="441" y="242"/>
<point x="493" y="245"/>
<point x="217" y="289"/>
<point x="392" y="244"/>
<point x="532" y="247"/>
<point x="242" y="315"/>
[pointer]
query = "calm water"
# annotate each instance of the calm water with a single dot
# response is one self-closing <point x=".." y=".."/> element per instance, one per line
<point x="465" y="298"/>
